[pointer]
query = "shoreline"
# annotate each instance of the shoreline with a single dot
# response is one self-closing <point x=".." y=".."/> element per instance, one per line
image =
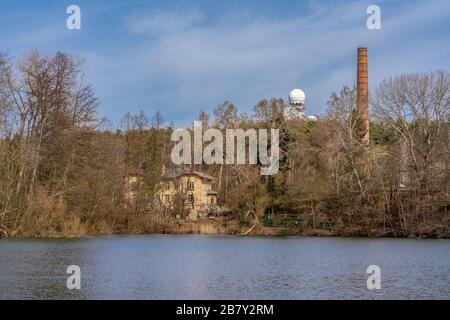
<point x="208" y="228"/>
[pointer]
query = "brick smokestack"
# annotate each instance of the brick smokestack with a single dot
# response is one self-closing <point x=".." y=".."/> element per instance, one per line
<point x="362" y="98"/>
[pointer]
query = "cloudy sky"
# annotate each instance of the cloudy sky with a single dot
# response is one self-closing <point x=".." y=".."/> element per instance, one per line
<point x="181" y="57"/>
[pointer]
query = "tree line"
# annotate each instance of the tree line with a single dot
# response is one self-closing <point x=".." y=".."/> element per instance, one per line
<point x="63" y="167"/>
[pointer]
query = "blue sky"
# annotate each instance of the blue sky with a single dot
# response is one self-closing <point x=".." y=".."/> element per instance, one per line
<point x="181" y="56"/>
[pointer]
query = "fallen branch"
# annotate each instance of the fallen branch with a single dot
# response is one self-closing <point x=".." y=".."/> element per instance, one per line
<point x="248" y="231"/>
<point x="256" y="222"/>
<point x="3" y="232"/>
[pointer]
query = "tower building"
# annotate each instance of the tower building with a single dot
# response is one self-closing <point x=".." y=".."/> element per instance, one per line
<point x="296" y="108"/>
<point x="362" y="95"/>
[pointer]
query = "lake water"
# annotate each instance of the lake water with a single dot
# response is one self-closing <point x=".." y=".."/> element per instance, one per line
<point x="224" y="267"/>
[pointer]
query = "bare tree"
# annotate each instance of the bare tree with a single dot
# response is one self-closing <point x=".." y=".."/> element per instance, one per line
<point x="47" y="103"/>
<point x="417" y="107"/>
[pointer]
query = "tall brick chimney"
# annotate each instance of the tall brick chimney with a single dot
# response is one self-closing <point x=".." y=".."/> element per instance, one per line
<point x="362" y="98"/>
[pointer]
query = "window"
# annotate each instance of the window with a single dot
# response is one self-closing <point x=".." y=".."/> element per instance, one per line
<point x="190" y="198"/>
<point x="166" y="198"/>
<point x="190" y="185"/>
<point x="167" y="185"/>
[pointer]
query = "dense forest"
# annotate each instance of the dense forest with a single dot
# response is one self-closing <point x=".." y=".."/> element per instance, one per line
<point x="63" y="167"/>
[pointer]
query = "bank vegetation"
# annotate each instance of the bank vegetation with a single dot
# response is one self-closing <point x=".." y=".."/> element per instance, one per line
<point x="63" y="168"/>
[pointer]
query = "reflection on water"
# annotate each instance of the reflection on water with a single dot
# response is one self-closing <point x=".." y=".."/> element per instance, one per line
<point x="224" y="267"/>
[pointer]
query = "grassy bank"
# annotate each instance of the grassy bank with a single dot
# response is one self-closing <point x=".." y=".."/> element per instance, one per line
<point x="72" y="227"/>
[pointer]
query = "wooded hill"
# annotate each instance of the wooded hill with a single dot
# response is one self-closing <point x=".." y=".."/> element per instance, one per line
<point x="62" y="167"/>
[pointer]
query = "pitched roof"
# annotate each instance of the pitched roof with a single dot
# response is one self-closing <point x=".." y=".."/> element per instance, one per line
<point x="178" y="172"/>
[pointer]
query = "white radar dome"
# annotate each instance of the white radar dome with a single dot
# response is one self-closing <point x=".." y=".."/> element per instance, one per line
<point x="297" y="97"/>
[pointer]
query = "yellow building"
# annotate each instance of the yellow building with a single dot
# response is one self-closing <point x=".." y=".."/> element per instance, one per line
<point x="180" y="188"/>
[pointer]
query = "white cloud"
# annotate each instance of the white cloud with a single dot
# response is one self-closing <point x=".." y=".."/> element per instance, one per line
<point x="186" y="63"/>
<point x="163" y="22"/>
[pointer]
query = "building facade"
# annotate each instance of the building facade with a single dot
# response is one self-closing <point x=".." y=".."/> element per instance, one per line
<point x="180" y="188"/>
<point x="189" y="188"/>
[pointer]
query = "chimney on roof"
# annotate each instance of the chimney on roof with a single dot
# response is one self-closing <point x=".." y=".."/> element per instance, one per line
<point x="362" y="98"/>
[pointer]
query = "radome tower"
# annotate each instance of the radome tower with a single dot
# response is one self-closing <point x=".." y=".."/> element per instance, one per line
<point x="296" y="108"/>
